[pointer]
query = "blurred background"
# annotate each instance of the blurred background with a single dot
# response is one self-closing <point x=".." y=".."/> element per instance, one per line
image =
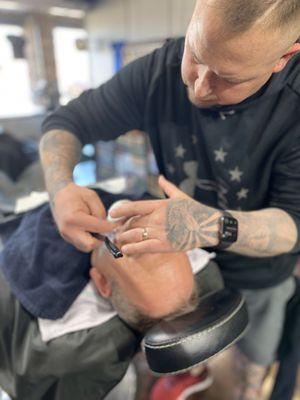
<point x="52" y="50"/>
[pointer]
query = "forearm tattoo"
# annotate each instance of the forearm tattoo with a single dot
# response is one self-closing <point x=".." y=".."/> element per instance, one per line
<point x="190" y="224"/>
<point x="59" y="152"/>
<point x="265" y="233"/>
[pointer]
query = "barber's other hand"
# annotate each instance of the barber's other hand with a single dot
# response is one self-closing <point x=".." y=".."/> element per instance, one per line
<point x="175" y="224"/>
<point x="77" y="212"/>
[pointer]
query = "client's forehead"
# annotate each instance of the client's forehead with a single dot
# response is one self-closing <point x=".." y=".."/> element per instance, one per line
<point x="161" y="263"/>
<point x="156" y="283"/>
<point x="145" y="269"/>
<point x="150" y="271"/>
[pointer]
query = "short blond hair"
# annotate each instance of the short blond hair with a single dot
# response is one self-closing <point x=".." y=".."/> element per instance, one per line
<point x="137" y="319"/>
<point x="241" y="15"/>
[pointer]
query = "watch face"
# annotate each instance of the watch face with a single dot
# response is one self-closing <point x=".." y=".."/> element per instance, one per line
<point x="229" y="229"/>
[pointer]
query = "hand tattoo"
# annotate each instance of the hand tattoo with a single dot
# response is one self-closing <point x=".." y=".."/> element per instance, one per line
<point x="190" y="224"/>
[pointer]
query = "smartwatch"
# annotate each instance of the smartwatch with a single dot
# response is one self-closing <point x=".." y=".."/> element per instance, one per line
<point x="228" y="232"/>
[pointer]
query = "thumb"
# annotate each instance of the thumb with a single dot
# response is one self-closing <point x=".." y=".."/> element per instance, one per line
<point x="170" y="189"/>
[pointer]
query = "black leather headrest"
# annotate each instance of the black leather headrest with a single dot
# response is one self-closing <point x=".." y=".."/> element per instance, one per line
<point x="175" y="346"/>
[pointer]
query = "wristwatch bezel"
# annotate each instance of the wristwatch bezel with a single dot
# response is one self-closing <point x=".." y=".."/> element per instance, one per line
<point x="228" y="231"/>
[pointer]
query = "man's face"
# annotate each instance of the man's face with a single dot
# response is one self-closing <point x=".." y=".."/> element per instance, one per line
<point x="156" y="284"/>
<point x="219" y="69"/>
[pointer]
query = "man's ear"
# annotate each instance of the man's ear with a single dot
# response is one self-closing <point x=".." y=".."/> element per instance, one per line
<point x="281" y="64"/>
<point x="101" y="283"/>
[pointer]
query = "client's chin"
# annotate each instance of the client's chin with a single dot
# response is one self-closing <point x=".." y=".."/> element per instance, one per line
<point x="203" y="103"/>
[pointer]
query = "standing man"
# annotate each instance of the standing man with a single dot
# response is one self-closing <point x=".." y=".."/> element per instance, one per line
<point x="222" y="112"/>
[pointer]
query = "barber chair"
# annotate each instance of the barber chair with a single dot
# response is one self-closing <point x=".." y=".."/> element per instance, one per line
<point x="176" y="346"/>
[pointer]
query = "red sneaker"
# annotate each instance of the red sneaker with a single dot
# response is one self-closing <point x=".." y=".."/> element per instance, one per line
<point x="180" y="387"/>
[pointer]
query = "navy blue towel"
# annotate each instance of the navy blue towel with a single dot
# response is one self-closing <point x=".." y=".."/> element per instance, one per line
<point x="45" y="273"/>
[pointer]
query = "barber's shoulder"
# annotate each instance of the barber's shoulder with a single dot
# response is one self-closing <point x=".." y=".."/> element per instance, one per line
<point x="294" y="74"/>
<point x="156" y="63"/>
<point x="169" y="54"/>
<point x="173" y="50"/>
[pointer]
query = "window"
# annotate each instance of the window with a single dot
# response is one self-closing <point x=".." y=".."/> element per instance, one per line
<point x="15" y="90"/>
<point x="72" y="63"/>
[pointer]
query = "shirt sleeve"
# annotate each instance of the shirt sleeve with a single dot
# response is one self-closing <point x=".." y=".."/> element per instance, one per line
<point x="110" y="110"/>
<point x="285" y="184"/>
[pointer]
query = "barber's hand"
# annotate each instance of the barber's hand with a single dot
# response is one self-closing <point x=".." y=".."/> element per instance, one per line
<point x="77" y="212"/>
<point x="175" y="224"/>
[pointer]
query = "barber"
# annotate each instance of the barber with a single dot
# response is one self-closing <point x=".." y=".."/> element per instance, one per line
<point x="221" y="109"/>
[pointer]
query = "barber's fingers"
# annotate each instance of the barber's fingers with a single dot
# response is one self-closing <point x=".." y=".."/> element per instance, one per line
<point x="133" y="235"/>
<point x="136" y="222"/>
<point x="131" y="209"/>
<point x="171" y="190"/>
<point x="83" y="241"/>
<point x="117" y="204"/>
<point x="146" y="246"/>
<point x="88" y="223"/>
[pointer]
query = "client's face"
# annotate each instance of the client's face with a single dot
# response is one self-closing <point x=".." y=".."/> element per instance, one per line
<point x="156" y="284"/>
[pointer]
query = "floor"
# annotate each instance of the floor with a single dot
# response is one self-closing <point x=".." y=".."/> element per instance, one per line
<point x="221" y="368"/>
<point x="224" y="381"/>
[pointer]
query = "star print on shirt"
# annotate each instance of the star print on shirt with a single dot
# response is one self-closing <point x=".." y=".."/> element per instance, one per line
<point x="242" y="194"/>
<point x="171" y="169"/>
<point x="236" y="174"/>
<point x="180" y="151"/>
<point x="220" y="155"/>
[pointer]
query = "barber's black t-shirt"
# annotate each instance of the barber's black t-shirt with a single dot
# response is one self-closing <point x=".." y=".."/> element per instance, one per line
<point x="244" y="157"/>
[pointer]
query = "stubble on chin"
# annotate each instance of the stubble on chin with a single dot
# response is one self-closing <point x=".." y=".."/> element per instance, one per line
<point x="200" y="103"/>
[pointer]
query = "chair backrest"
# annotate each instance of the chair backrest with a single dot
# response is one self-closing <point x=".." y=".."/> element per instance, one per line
<point x="176" y="346"/>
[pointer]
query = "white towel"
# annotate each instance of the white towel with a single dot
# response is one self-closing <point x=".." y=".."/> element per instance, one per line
<point x="90" y="309"/>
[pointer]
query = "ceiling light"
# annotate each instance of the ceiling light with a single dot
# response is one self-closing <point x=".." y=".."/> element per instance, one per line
<point x="66" y="12"/>
<point x="10" y="5"/>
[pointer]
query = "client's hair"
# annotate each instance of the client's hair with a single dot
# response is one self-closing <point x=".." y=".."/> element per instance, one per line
<point x="140" y="321"/>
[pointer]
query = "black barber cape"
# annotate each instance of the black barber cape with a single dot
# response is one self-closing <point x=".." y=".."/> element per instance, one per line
<point x="242" y="157"/>
<point x="44" y="272"/>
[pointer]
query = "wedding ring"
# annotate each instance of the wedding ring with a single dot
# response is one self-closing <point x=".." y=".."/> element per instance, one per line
<point x="145" y="234"/>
